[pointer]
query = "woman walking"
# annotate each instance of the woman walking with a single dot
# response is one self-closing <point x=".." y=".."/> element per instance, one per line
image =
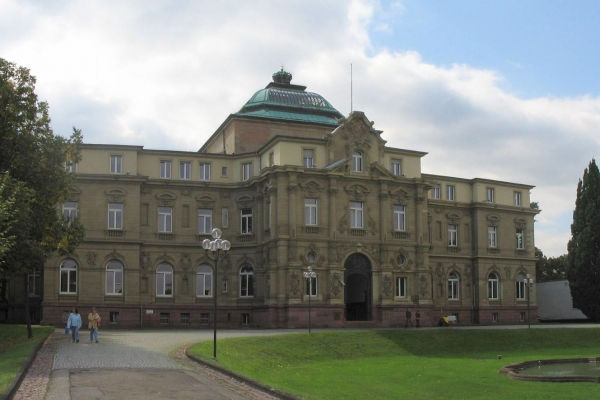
<point x="74" y="323"/>
<point x="94" y="324"/>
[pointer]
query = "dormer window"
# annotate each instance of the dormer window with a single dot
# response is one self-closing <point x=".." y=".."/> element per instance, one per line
<point x="357" y="161"/>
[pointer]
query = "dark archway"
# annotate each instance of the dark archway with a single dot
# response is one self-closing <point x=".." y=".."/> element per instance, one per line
<point x="358" y="289"/>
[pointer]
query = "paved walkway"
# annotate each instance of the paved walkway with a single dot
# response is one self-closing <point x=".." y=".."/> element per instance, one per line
<point x="143" y="365"/>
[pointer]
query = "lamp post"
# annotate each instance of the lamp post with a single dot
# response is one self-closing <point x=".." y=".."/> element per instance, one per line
<point x="214" y="248"/>
<point x="528" y="283"/>
<point x="309" y="275"/>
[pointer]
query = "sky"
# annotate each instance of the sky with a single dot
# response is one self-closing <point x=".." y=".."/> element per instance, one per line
<point x="504" y="90"/>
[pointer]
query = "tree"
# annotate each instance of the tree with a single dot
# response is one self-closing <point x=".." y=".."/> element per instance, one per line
<point x="584" y="246"/>
<point x="550" y="268"/>
<point x="34" y="179"/>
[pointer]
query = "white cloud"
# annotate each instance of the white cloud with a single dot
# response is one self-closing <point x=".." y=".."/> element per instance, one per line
<point x="165" y="75"/>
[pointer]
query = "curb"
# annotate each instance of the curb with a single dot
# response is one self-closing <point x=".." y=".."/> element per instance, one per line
<point x="14" y="386"/>
<point x="241" y="378"/>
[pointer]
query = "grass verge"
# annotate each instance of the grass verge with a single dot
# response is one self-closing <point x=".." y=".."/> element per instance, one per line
<point x="15" y="350"/>
<point x="418" y="364"/>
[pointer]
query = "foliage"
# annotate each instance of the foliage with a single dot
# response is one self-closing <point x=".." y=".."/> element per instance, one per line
<point x="550" y="268"/>
<point x="15" y="350"/>
<point x="584" y="246"/>
<point x="400" y="364"/>
<point x="32" y="163"/>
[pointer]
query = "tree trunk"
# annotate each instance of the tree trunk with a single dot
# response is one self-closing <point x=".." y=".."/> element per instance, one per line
<point x="27" y="313"/>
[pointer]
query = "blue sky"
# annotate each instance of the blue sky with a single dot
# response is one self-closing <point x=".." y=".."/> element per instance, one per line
<point x="503" y="90"/>
<point x="541" y="48"/>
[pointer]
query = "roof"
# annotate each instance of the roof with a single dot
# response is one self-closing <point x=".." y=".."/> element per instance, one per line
<point x="283" y="101"/>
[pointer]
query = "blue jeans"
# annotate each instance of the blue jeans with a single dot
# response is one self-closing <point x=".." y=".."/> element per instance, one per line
<point x="75" y="333"/>
<point x="93" y="335"/>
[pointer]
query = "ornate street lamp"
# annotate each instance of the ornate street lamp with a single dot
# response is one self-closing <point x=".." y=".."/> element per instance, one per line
<point x="309" y="275"/>
<point x="528" y="282"/>
<point x="213" y="248"/>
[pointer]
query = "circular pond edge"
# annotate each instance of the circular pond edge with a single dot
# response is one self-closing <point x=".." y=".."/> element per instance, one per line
<point x="512" y="371"/>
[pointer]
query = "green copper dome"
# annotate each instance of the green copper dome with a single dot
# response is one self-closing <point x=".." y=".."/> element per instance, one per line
<point x="282" y="100"/>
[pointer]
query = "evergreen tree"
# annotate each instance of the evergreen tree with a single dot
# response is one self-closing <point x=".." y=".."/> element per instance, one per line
<point x="584" y="246"/>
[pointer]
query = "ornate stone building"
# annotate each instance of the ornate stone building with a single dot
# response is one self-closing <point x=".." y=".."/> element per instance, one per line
<point x="292" y="184"/>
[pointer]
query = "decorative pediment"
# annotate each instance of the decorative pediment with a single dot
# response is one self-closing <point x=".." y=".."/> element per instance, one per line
<point x="453" y="217"/>
<point x="520" y="222"/>
<point x="205" y="200"/>
<point x="166" y="199"/>
<point x="400" y="195"/>
<point x="74" y="193"/>
<point x="245" y="200"/>
<point x="114" y="255"/>
<point x="311" y="187"/>
<point x="357" y="191"/>
<point x="493" y="219"/>
<point x="116" y="195"/>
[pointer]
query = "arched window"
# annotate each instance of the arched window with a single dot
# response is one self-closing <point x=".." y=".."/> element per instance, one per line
<point x="114" y="278"/>
<point x="164" y="280"/>
<point x="68" y="277"/>
<point x="520" y="287"/>
<point x="204" y="281"/>
<point x="246" y="281"/>
<point x="357" y="161"/>
<point x="453" y="286"/>
<point x="493" y="284"/>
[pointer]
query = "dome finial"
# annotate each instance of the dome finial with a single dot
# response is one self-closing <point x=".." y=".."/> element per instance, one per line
<point x="282" y="77"/>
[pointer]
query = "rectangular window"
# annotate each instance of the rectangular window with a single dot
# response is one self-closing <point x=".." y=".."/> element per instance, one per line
<point x="492" y="237"/>
<point x="520" y="288"/>
<point x="71" y="166"/>
<point x="204" y="172"/>
<point x="246" y="221"/>
<point x="245" y="319"/>
<point x="310" y="287"/>
<point x="204" y="221"/>
<point x="489" y="195"/>
<point x="68" y="280"/>
<point x="308" y="158"/>
<point x="452" y="235"/>
<point x="517" y="199"/>
<point x="520" y="238"/>
<point x="401" y="287"/>
<point x="396" y="167"/>
<point x="453" y="288"/>
<point x="115" y="216"/>
<point x="522" y="316"/>
<point x="34" y="284"/>
<point x="451" y="192"/>
<point x="165" y="169"/>
<point x="116" y="164"/>
<point x="310" y="211"/>
<point x="114" y="279"/>
<point x="436" y="192"/>
<point x="185" y="170"/>
<point x="246" y="171"/>
<point x="113" y="317"/>
<point x="223" y="171"/>
<point x="357" y="161"/>
<point x="184" y="318"/>
<point x="204" y="284"/>
<point x="400" y="218"/>
<point x="164" y="318"/>
<point x="204" y="318"/>
<point x="165" y="219"/>
<point x="224" y="217"/>
<point x="69" y="211"/>
<point x="495" y="317"/>
<point x="271" y="159"/>
<point x="356" y="215"/>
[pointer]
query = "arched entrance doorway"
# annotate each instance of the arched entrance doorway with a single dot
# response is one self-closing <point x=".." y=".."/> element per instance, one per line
<point x="357" y="292"/>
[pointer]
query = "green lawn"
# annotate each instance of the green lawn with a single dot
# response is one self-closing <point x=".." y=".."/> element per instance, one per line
<point x="407" y="364"/>
<point x="15" y="350"/>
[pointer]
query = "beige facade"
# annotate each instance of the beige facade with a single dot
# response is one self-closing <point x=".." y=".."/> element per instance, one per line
<point x="391" y="245"/>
